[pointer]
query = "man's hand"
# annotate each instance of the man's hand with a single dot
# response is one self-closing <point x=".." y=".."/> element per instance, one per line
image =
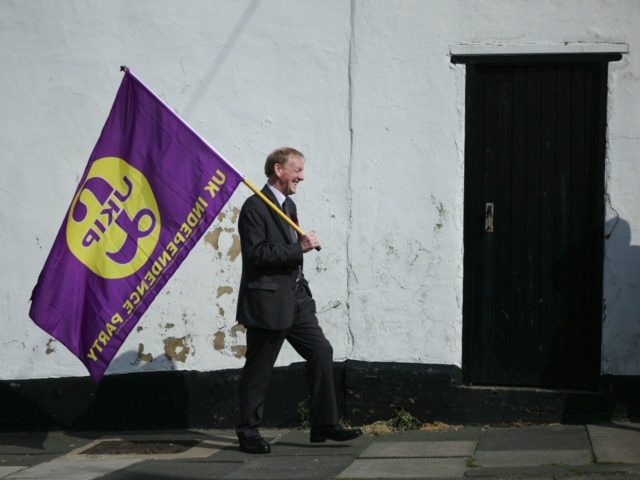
<point x="309" y="242"/>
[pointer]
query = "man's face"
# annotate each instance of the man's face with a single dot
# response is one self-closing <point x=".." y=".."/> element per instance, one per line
<point x="289" y="174"/>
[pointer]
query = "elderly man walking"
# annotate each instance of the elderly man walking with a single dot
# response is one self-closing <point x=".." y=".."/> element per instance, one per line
<point x="275" y="304"/>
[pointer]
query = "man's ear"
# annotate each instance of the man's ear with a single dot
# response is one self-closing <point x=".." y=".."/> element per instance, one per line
<point x="277" y="170"/>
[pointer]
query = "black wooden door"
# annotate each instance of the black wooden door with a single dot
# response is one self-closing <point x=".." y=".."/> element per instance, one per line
<point x="534" y="212"/>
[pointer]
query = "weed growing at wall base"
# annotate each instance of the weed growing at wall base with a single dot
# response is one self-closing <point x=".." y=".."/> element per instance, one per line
<point x="303" y="414"/>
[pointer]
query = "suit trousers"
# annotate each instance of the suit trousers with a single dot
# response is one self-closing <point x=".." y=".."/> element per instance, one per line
<point x="263" y="346"/>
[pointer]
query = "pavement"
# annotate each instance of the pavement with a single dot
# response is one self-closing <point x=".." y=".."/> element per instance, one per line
<point x="609" y="451"/>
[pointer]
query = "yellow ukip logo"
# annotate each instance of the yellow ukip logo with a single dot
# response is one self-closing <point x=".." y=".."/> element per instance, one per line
<point x="114" y="222"/>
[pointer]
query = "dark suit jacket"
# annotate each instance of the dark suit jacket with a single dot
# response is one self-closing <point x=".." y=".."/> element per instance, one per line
<point x="270" y="264"/>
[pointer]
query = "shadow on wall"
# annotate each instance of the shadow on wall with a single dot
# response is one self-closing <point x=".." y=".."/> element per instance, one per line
<point x="212" y="72"/>
<point x="571" y="343"/>
<point x="16" y="406"/>
<point x="622" y="299"/>
<point x="611" y="396"/>
<point x="621" y="328"/>
<point x="175" y="349"/>
<point x="77" y="404"/>
<point x="129" y="396"/>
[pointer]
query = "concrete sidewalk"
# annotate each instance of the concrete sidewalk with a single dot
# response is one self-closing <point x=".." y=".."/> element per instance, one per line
<point x="610" y="451"/>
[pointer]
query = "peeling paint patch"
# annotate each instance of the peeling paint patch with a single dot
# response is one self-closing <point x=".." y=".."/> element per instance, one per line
<point x="176" y="349"/>
<point x="221" y="311"/>
<point x="218" y="341"/>
<point x="225" y="341"/>
<point x="213" y="238"/>
<point x="235" y="211"/>
<point x="139" y="329"/>
<point x="51" y="346"/>
<point x="169" y="325"/>
<point x="442" y="214"/>
<point x="239" y="351"/>
<point x="234" y="250"/>
<point x="237" y="328"/>
<point x="144" y="357"/>
<point x="221" y="216"/>
<point x="223" y="291"/>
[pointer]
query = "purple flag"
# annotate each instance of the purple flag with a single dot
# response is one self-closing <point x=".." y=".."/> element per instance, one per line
<point x="150" y="190"/>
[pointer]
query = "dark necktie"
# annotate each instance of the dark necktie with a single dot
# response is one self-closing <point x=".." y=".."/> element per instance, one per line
<point x="287" y="206"/>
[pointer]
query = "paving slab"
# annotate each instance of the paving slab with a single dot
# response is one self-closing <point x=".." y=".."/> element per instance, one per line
<point x="602" y="476"/>
<point x="547" y="472"/>
<point x="552" y="437"/>
<point x="526" y="476"/>
<point x="4" y="471"/>
<point x="560" y="472"/>
<point x="296" y="442"/>
<point x="604" y="468"/>
<point x="27" y="459"/>
<point x="461" y="433"/>
<point x="526" y="458"/>
<point x="403" y="468"/>
<point x="425" y="449"/>
<point x="170" y="470"/>
<point x="232" y="453"/>
<point x="307" y="467"/>
<point x="61" y="469"/>
<point x="616" y="443"/>
<point x="40" y="442"/>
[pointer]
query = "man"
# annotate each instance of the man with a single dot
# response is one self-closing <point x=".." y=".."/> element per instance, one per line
<point x="275" y="303"/>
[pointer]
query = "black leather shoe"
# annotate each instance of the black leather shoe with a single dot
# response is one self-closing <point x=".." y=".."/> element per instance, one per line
<point x="255" y="445"/>
<point x="335" y="433"/>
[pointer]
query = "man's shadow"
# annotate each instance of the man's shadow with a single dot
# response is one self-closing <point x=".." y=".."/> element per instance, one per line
<point x="622" y="289"/>
<point x="580" y="345"/>
<point x="621" y="328"/>
<point x="131" y="399"/>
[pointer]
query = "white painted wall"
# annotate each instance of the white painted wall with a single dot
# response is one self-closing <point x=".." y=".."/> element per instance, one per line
<point x="365" y="89"/>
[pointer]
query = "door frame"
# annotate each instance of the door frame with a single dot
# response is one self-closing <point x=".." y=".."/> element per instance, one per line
<point x="600" y="145"/>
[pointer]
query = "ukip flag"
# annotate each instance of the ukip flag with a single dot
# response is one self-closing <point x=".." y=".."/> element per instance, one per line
<point x="150" y="190"/>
